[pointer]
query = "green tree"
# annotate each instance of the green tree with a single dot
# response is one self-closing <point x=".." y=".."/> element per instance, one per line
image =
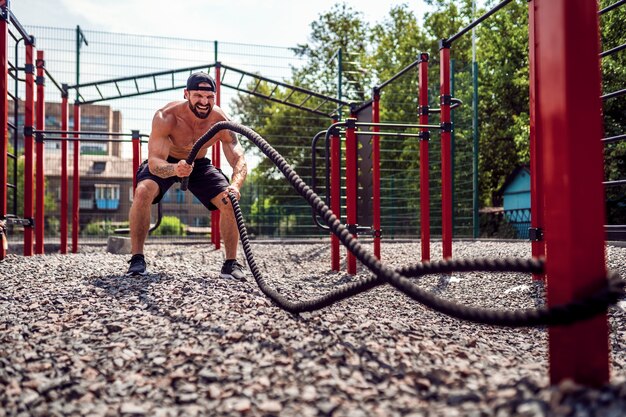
<point x="613" y="34"/>
<point x="374" y="54"/>
<point x="341" y="27"/>
<point x="504" y="97"/>
<point x="49" y="199"/>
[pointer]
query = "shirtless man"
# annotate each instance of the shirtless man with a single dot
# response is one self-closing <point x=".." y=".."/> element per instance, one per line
<point x="175" y="128"/>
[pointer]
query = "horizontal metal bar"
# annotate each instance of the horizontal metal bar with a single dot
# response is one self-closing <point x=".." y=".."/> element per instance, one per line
<point x="399" y="134"/>
<point x="85" y="132"/>
<point x="140" y="93"/>
<point x="152" y="74"/>
<point x="320" y="113"/>
<point x="614" y="139"/>
<point x="613" y="94"/>
<point x="454" y="104"/>
<point x="60" y="139"/>
<point x="614" y="183"/>
<point x="51" y="78"/>
<point x="477" y="21"/>
<point x="398" y="75"/>
<point x="611" y="7"/>
<point x="20" y="28"/>
<point x="613" y="50"/>
<point x="292" y="87"/>
<point x="398" y="125"/>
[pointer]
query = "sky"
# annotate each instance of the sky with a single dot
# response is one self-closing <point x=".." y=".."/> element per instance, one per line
<point x="267" y="22"/>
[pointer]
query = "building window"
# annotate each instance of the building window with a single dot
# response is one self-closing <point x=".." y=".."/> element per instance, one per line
<point x="180" y="196"/>
<point x="107" y="196"/>
<point x="98" y="167"/>
<point x="86" y="197"/>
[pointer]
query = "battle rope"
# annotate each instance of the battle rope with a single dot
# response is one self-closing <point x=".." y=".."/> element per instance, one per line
<point x="556" y="315"/>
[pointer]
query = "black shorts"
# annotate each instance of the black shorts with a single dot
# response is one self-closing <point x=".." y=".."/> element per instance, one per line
<point x="205" y="181"/>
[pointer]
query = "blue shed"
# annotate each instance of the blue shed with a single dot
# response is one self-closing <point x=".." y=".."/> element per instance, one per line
<point x="516" y="200"/>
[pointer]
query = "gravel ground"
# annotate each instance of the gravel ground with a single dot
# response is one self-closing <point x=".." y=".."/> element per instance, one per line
<point x="78" y="338"/>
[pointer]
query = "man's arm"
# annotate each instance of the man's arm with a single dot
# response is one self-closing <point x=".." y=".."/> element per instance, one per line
<point x="159" y="149"/>
<point x="233" y="151"/>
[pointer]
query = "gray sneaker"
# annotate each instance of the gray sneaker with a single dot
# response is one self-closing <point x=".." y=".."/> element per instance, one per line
<point x="233" y="270"/>
<point x="137" y="266"/>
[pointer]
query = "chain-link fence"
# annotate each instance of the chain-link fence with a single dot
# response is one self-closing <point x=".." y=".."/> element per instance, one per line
<point x="75" y="56"/>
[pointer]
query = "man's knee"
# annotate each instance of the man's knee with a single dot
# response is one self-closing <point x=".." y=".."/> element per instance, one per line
<point x="225" y="207"/>
<point x="145" y="193"/>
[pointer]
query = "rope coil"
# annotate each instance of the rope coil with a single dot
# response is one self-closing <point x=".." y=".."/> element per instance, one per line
<point x="577" y="310"/>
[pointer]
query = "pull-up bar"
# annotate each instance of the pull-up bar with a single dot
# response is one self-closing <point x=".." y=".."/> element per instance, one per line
<point x="477" y="21"/>
<point x="611" y="7"/>
<point x="8" y="15"/>
<point x="398" y="75"/>
<point x="87" y="132"/>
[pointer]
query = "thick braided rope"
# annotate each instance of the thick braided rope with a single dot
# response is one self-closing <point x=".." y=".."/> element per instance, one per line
<point x="575" y="311"/>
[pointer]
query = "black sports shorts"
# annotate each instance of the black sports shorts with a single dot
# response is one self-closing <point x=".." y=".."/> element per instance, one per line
<point x="205" y="181"/>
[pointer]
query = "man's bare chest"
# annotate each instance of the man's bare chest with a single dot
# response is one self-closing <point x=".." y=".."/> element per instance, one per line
<point x="184" y="135"/>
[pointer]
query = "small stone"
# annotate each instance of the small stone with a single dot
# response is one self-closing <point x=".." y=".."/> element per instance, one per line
<point x="113" y="327"/>
<point x="270" y="406"/>
<point x="159" y="360"/>
<point x="133" y="408"/>
<point x="242" y="405"/>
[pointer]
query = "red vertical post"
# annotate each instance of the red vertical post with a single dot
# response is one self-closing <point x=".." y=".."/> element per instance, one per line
<point x="446" y="150"/>
<point x="76" y="181"/>
<point x="424" y="163"/>
<point x="352" y="184"/>
<point x="29" y="146"/>
<point x="41" y="125"/>
<point x="335" y="194"/>
<point x="64" y="193"/>
<point x="136" y="141"/>
<point x="536" y="166"/>
<point x="569" y="125"/>
<point x="215" y="214"/>
<point x="4" y="117"/>
<point x="376" y="172"/>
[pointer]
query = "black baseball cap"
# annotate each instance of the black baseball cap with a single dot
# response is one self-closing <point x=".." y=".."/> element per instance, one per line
<point x="197" y="78"/>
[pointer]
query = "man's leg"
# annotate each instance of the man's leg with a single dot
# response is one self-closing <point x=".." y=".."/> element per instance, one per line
<point x="228" y="226"/>
<point x="139" y="217"/>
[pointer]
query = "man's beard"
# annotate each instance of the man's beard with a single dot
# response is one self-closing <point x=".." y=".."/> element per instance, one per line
<point x="197" y="113"/>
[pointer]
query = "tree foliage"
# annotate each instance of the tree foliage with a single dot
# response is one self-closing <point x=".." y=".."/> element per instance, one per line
<point x="612" y="35"/>
<point x="375" y="52"/>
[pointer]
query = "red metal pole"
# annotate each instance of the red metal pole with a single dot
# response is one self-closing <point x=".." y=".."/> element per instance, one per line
<point x="335" y="195"/>
<point x="39" y="175"/>
<point x="136" y="141"/>
<point x="446" y="151"/>
<point x="76" y="181"/>
<point x="4" y="118"/>
<point x="569" y="125"/>
<point x="351" y="184"/>
<point x="215" y="214"/>
<point x="424" y="163"/>
<point x="29" y="146"/>
<point x="538" y="247"/>
<point x="376" y="172"/>
<point x="64" y="181"/>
